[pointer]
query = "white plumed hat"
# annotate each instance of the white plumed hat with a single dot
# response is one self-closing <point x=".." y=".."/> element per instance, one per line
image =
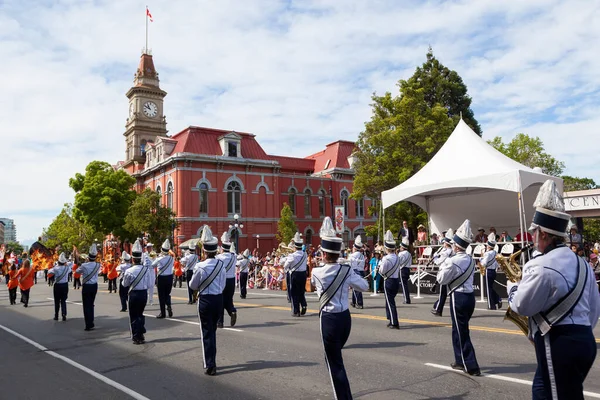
<point x="62" y="259"/>
<point x="358" y="244"/>
<point x="125" y="256"/>
<point x="93" y="251"/>
<point x="388" y="240"/>
<point x="225" y="241"/>
<point x="298" y="241"/>
<point x="491" y="240"/>
<point x="449" y="236"/>
<point x="463" y="236"/>
<point x="136" y="249"/>
<point x="330" y="243"/>
<point x="166" y="246"/>
<point x="209" y="242"/>
<point x="550" y="215"/>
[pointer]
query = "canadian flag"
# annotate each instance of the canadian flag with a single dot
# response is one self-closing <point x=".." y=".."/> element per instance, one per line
<point x="149" y="15"/>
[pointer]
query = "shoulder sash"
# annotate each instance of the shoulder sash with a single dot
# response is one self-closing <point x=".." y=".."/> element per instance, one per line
<point x="298" y="264"/>
<point x="167" y="265"/>
<point x="462" y="278"/>
<point x="138" y="279"/>
<point x="231" y="263"/>
<point x="393" y="270"/>
<point x="88" y="277"/>
<point x="213" y="275"/>
<point x="65" y="270"/>
<point x="334" y="287"/>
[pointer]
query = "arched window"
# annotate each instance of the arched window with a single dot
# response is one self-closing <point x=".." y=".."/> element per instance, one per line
<point x="203" y="189"/>
<point x="359" y="207"/>
<point x="308" y="238"/>
<point x="170" y="195"/>
<point x="344" y="197"/>
<point x="321" y="203"/>
<point x="143" y="147"/>
<point x="159" y="191"/>
<point x="234" y="197"/>
<point x="262" y="192"/>
<point x="307" y="194"/>
<point x="292" y="200"/>
<point x="346" y="237"/>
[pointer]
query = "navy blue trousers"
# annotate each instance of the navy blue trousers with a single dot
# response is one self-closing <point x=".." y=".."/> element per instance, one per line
<point x="137" y="304"/>
<point x="298" y="281"/>
<point x="462" y="306"/>
<point x="88" y="296"/>
<point x="573" y="351"/>
<point x="404" y="275"/>
<point x="61" y="292"/>
<point x="492" y="297"/>
<point x="164" y="285"/>
<point x="228" y="298"/>
<point x="357" y="297"/>
<point x="123" y="295"/>
<point x="188" y="277"/>
<point x="335" y="330"/>
<point x="243" y="284"/>
<point x="210" y="307"/>
<point x="390" y="287"/>
<point x="441" y="301"/>
<point x="288" y="287"/>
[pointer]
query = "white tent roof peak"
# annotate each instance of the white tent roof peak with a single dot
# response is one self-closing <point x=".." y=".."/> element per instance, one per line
<point x="467" y="178"/>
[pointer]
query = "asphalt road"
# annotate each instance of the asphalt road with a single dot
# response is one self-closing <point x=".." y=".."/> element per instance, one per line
<point x="268" y="355"/>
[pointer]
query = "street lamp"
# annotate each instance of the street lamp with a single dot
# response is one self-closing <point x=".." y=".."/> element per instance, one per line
<point x="257" y="242"/>
<point x="237" y="224"/>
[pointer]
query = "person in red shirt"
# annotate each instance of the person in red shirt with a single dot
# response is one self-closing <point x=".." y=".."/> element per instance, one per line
<point x="178" y="273"/>
<point x="25" y="275"/>
<point x="112" y="276"/>
<point x="13" y="283"/>
<point x="105" y="271"/>
<point x="527" y="237"/>
<point x="76" y="277"/>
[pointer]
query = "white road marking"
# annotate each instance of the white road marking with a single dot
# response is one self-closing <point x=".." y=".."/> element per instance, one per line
<point x="503" y="378"/>
<point x="75" y="364"/>
<point x="193" y="323"/>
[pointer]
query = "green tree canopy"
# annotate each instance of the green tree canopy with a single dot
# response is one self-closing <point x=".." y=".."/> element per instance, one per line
<point x="66" y="231"/>
<point x="147" y="215"/>
<point x="573" y="183"/>
<point x="103" y="197"/>
<point x="530" y="152"/>
<point x="286" y="227"/>
<point x="14" y="247"/>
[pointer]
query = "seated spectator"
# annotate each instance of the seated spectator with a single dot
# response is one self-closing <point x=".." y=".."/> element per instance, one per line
<point x="481" y="236"/>
<point x="434" y="240"/>
<point x="526" y="238"/>
<point x="493" y="230"/>
<point x="574" y="237"/>
<point x="505" y="237"/>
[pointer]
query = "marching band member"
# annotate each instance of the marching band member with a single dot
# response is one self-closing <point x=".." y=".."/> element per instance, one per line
<point x="147" y="259"/>
<point x="60" y="272"/>
<point x="243" y="265"/>
<point x="488" y="260"/>
<point x="89" y="286"/>
<point x="228" y="257"/>
<point x="209" y="280"/>
<point x="332" y="282"/>
<point x="25" y="275"/>
<point x="138" y="278"/>
<point x="13" y="283"/>
<point x="457" y="272"/>
<point x="295" y="267"/>
<point x="164" y="267"/>
<point x="438" y="260"/>
<point x="559" y="295"/>
<point x="121" y="269"/>
<point x="405" y="259"/>
<point x="389" y="269"/>
<point x="189" y="261"/>
<point x="357" y="262"/>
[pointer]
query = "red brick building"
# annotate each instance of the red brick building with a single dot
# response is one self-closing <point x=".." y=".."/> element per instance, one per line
<point x="207" y="175"/>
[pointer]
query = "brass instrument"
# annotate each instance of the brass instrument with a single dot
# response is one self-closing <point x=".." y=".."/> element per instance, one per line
<point x="480" y="265"/>
<point x="283" y="250"/>
<point x="513" y="273"/>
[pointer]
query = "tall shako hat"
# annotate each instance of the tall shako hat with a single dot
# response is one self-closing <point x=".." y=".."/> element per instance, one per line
<point x="125" y="256"/>
<point x="298" y="241"/>
<point x="388" y="240"/>
<point x="491" y="242"/>
<point x="62" y="259"/>
<point x="210" y="243"/>
<point x="330" y="243"/>
<point x="93" y="252"/>
<point x="246" y="253"/>
<point x="225" y="243"/>
<point x="550" y="215"/>
<point x="404" y="246"/>
<point x="136" y="250"/>
<point x="448" y="237"/>
<point x="463" y="236"/>
<point x="358" y="244"/>
<point x="166" y="246"/>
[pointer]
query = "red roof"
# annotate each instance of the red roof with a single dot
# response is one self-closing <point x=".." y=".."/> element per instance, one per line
<point x="294" y="163"/>
<point x="336" y="153"/>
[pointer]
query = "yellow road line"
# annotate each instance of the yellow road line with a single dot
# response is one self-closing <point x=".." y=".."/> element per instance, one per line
<point x="380" y="318"/>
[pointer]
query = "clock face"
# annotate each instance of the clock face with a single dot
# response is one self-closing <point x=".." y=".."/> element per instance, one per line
<point x="131" y="110"/>
<point x="150" y="109"/>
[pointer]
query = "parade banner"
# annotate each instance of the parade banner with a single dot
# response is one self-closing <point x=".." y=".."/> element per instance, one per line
<point x="339" y="219"/>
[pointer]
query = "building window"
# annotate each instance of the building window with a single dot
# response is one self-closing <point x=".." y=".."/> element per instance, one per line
<point x="232" y="149"/>
<point x="159" y="191"/>
<point x="307" y="202"/>
<point x="234" y="197"/>
<point x="170" y="195"/>
<point x="203" y="198"/>
<point x="346" y="237"/>
<point x="143" y="147"/>
<point x="292" y="200"/>
<point x="359" y="207"/>
<point x="321" y="203"/>
<point x="344" y="197"/>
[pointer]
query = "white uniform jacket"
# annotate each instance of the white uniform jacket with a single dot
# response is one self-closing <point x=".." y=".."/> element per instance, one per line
<point x="164" y="264"/>
<point x="229" y="260"/>
<point x="132" y="273"/>
<point x="243" y="264"/>
<point x="488" y="260"/>
<point x="296" y="260"/>
<point x="388" y="263"/>
<point x="357" y="261"/>
<point x="455" y="266"/>
<point x="323" y="276"/>
<point x="202" y="271"/>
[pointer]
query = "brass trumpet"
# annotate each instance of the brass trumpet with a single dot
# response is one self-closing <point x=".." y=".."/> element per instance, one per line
<point x="283" y="250"/>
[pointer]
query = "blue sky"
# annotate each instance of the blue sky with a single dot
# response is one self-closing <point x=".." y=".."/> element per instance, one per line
<point x="280" y="69"/>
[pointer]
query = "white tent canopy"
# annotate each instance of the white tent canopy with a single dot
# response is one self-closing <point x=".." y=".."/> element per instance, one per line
<point x="468" y="178"/>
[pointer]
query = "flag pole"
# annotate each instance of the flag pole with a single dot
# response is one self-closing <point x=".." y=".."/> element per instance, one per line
<point x="146" y="49"/>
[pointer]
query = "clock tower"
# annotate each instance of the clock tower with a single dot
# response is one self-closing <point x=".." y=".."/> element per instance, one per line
<point x="146" y="121"/>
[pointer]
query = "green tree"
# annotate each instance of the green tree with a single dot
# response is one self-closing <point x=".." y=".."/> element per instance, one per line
<point x="444" y="87"/>
<point x="66" y="231"/>
<point x="14" y="247"/>
<point x="591" y="229"/>
<point x="530" y="152"/>
<point x="147" y="215"/>
<point x="571" y="183"/>
<point x="286" y="227"/>
<point x="103" y="197"/>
